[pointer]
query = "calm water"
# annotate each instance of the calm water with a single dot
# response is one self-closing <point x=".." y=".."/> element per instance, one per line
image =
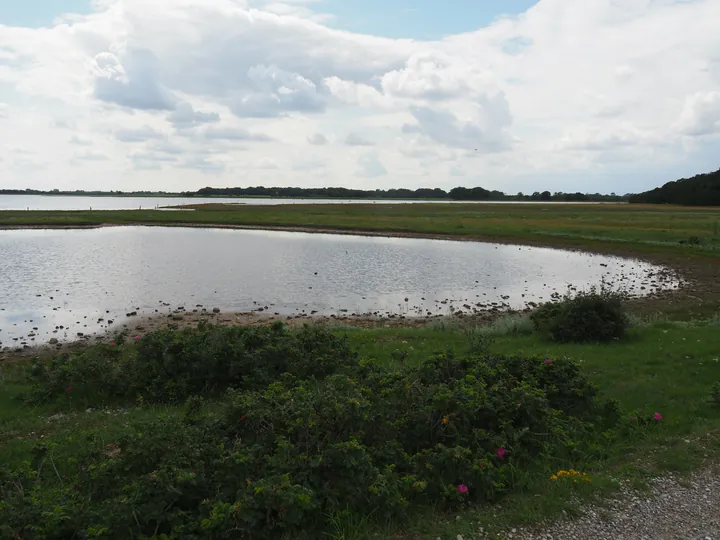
<point x="73" y="277"/>
<point x="50" y="202"/>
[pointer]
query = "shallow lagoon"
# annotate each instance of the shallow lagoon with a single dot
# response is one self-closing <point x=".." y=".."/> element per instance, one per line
<point x="73" y="278"/>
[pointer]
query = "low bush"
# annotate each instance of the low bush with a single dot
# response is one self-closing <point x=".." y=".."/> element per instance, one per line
<point x="169" y="365"/>
<point x="280" y="456"/>
<point x="594" y="316"/>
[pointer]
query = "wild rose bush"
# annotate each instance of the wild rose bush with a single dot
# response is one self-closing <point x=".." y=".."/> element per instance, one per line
<point x="170" y="365"/>
<point x="290" y="444"/>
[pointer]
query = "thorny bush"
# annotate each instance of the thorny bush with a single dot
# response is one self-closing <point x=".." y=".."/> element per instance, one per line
<point x="304" y="430"/>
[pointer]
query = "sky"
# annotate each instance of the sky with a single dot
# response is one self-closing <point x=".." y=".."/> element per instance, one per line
<point x="516" y="95"/>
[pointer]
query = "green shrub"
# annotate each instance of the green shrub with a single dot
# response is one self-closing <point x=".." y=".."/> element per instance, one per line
<point x="277" y="457"/>
<point x="169" y="365"/>
<point x="586" y="317"/>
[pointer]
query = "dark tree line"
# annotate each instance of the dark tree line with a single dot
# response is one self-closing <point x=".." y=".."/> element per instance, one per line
<point x="318" y="193"/>
<point x="455" y="194"/>
<point x="700" y="190"/>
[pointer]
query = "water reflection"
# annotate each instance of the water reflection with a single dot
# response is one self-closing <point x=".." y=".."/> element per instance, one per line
<point x="74" y="278"/>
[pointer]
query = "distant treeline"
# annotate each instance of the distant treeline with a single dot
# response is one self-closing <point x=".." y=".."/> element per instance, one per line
<point x="700" y="190"/>
<point x="455" y="194"/>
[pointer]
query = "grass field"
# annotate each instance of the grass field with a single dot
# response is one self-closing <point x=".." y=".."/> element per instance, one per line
<point x="643" y="228"/>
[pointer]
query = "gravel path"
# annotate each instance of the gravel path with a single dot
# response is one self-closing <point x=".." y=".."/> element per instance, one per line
<point x="678" y="508"/>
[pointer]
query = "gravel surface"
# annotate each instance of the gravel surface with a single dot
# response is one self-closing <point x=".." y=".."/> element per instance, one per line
<point x="677" y="508"/>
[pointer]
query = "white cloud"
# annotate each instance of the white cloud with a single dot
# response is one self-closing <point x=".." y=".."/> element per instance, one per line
<point x="353" y="139"/>
<point x="132" y="82"/>
<point x="607" y="138"/>
<point x="370" y="166"/>
<point x="150" y="156"/>
<point x="203" y="164"/>
<point x="234" y="134"/>
<point x="309" y="165"/>
<point x="168" y="148"/>
<point x="276" y="92"/>
<point x="141" y="134"/>
<point x="80" y="140"/>
<point x="357" y="94"/>
<point x="184" y="116"/>
<point x="565" y="95"/>
<point x="90" y="155"/>
<point x="484" y="127"/>
<point x="293" y="9"/>
<point x="317" y="139"/>
<point x="143" y="160"/>
<point x="701" y="114"/>
<point x="267" y="164"/>
<point x="429" y="75"/>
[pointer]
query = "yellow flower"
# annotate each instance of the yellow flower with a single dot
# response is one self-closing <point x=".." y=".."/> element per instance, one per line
<point x="445" y="420"/>
<point x="572" y="473"/>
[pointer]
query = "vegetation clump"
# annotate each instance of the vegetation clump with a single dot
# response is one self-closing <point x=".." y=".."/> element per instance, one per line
<point x="304" y="431"/>
<point x="589" y="316"/>
<point x="715" y="394"/>
<point x="700" y="190"/>
<point x="170" y="365"/>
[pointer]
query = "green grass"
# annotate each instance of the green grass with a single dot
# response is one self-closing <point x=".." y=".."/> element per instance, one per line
<point x="643" y="227"/>
<point x="665" y="367"/>
<point x="661" y="366"/>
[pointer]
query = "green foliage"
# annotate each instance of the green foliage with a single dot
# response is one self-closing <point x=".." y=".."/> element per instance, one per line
<point x="715" y="394"/>
<point x="168" y="366"/>
<point x="700" y="190"/>
<point x="586" y="317"/>
<point x="479" y="342"/>
<point x="294" y="444"/>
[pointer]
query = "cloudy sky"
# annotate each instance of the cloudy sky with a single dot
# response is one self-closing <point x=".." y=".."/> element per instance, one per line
<point x="516" y="95"/>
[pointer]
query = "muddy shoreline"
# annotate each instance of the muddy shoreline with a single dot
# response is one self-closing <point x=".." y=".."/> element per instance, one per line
<point x="142" y="324"/>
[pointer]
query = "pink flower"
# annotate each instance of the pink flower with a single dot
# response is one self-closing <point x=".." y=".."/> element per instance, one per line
<point x="657" y="416"/>
<point x="137" y="338"/>
<point x="69" y="388"/>
<point x="548" y="361"/>
<point x="462" y="488"/>
<point x="501" y="452"/>
<point x="113" y="344"/>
